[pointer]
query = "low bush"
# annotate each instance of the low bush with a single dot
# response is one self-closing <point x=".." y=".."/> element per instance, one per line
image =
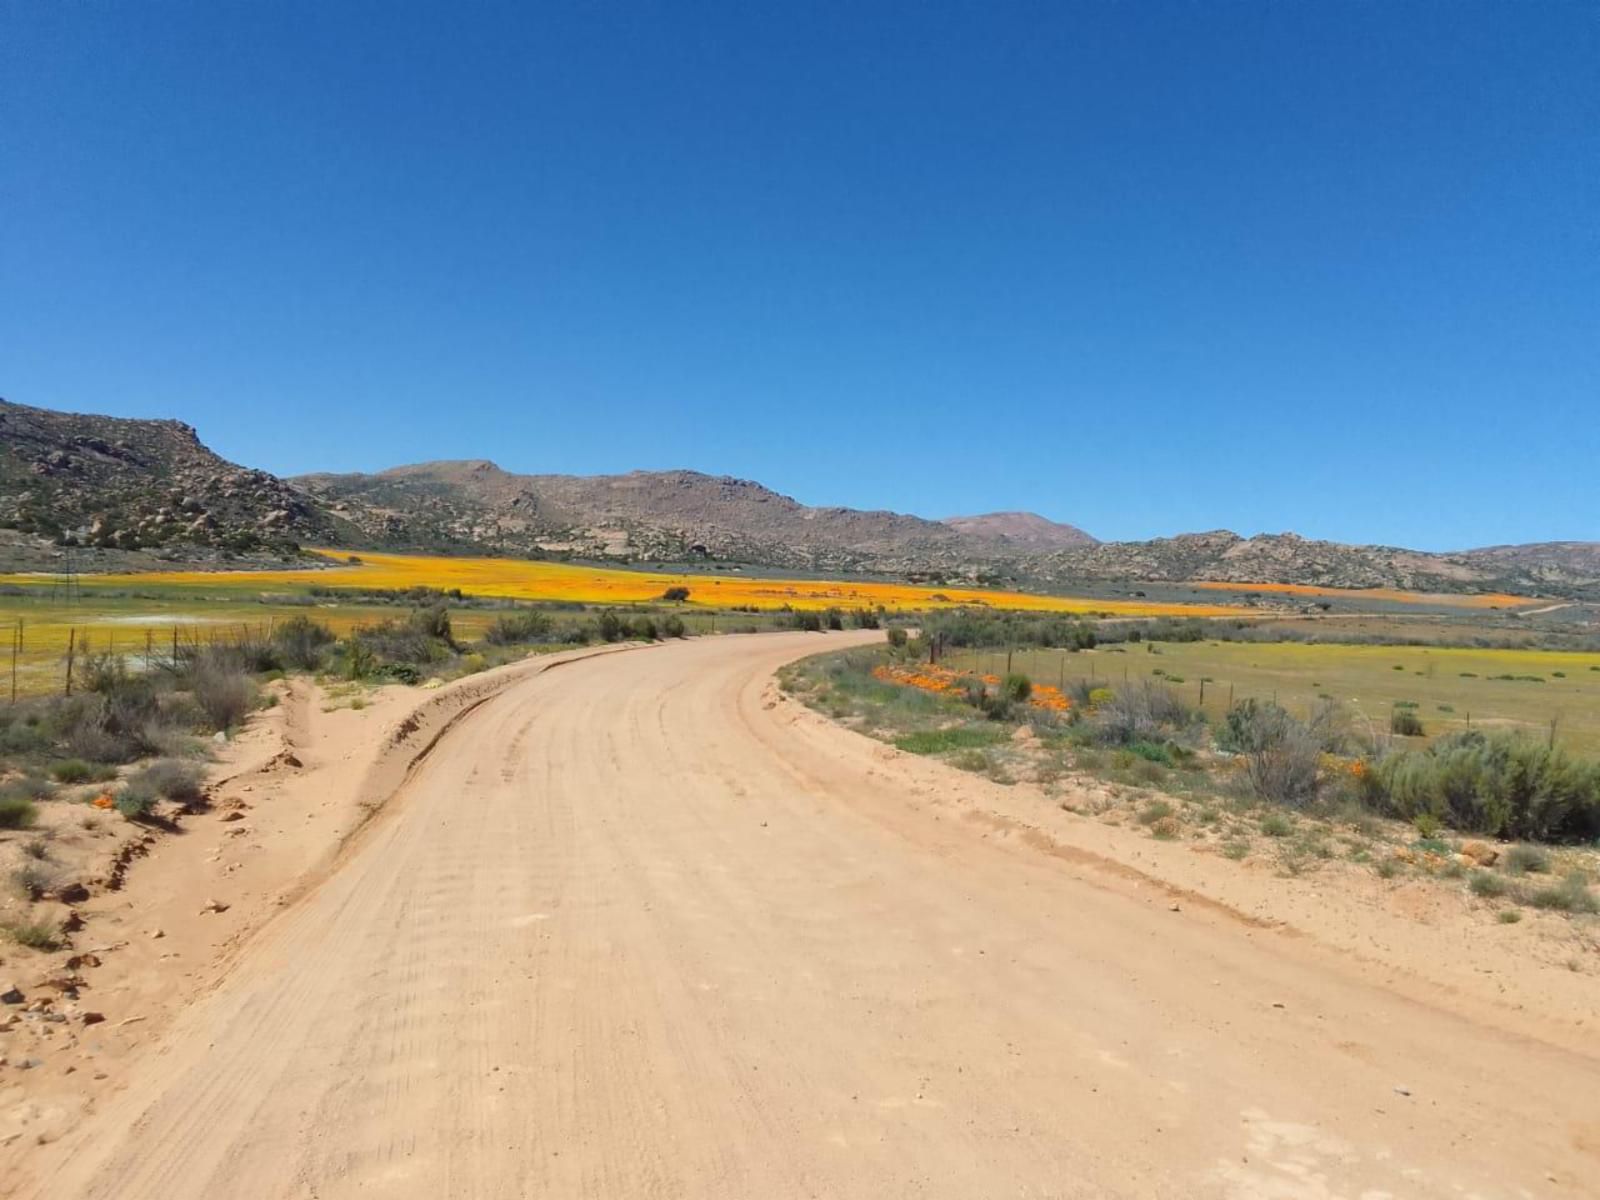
<point x="1496" y="783"/>
<point x="172" y="780"/>
<point x="1140" y="712"/>
<point x="1016" y="688"/>
<point x="75" y="770"/>
<point x="522" y="628"/>
<point x="302" y="644"/>
<point x="677" y="594"/>
<point x="1526" y="860"/>
<point x="1571" y="895"/>
<point x="136" y="801"/>
<point x="36" y="935"/>
<point x="17" y="812"/>
<point x="898" y="638"/>
<point x="1405" y="723"/>
<point x="1487" y="884"/>
<point x="1282" y="756"/>
<point x="225" y="694"/>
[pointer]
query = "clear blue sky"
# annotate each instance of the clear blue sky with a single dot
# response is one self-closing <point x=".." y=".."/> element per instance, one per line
<point x="1146" y="267"/>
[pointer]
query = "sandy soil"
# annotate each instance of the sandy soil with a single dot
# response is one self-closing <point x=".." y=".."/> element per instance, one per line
<point x="638" y="926"/>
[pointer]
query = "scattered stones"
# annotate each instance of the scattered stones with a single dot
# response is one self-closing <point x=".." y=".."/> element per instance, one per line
<point x="11" y="994"/>
<point x="83" y="960"/>
<point x="235" y="815"/>
<point x="157" y="933"/>
<point x="72" y="893"/>
<point x="92" y="1018"/>
<point x="1401" y="1091"/>
<point x="213" y="906"/>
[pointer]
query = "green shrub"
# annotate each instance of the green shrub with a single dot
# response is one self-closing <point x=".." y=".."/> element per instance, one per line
<point x="1526" y="860"/>
<point x="806" y="620"/>
<point x="136" y="800"/>
<point x="1487" y="884"/>
<point x="672" y="626"/>
<point x="1427" y="824"/>
<point x="897" y="638"/>
<point x="172" y="779"/>
<point x="1508" y="916"/>
<point x="676" y="594"/>
<point x="1405" y="722"/>
<point x="1154" y="811"/>
<point x="225" y="695"/>
<point x="36" y="935"/>
<point x="1276" y="825"/>
<point x="1497" y="784"/>
<point x="17" y="812"/>
<point x="75" y="770"/>
<point x="520" y="628"/>
<point x="1282" y="756"/>
<point x="1016" y="688"/>
<point x="1571" y="895"/>
<point x="302" y="643"/>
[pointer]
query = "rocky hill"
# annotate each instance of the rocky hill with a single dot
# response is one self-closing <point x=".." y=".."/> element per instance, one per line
<point x="134" y="493"/>
<point x="1026" y="530"/>
<point x="129" y="485"/>
<point x="648" y="516"/>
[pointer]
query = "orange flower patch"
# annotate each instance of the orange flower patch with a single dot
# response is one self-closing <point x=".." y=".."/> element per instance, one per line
<point x="944" y="681"/>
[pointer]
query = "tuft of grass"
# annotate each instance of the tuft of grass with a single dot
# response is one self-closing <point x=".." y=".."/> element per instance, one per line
<point x="34" y="934"/>
<point x="1571" y="895"/>
<point x="17" y="812"/>
<point x="136" y="801"/>
<point x="972" y="760"/>
<point x="76" y="770"/>
<point x="1387" y="868"/>
<point x="1523" y="859"/>
<point x="1235" y="850"/>
<point x="1154" y="811"/>
<point x="32" y="879"/>
<point x="940" y="741"/>
<point x="1487" y="884"/>
<point x="172" y="779"/>
<point x="1427" y="824"/>
<point x="1509" y="916"/>
<point x="1276" y="825"/>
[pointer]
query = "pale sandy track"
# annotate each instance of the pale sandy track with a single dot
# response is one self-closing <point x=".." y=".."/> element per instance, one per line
<point x="632" y="931"/>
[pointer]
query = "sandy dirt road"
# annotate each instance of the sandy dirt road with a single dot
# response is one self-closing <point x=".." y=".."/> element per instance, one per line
<point x="636" y="930"/>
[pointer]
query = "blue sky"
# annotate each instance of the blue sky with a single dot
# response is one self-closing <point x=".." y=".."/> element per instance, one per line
<point x="1145" y="267"/>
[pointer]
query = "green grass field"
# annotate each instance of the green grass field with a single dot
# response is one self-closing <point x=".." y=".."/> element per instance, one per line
<point x="1450" y="687"/>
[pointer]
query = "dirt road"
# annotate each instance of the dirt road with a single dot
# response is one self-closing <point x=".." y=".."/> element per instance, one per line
<point x="636" y="930"/>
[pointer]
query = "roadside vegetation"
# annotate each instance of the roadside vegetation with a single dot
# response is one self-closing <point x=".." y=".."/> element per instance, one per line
<point x="1509" y="817"/>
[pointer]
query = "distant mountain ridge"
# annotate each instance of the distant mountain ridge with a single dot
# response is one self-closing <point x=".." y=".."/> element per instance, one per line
<point x="1024" y="529"/>
<point x="144" y="492"/>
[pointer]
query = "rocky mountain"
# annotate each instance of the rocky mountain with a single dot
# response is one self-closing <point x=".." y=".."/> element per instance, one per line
<point x="1557" y="566"/>
<point x="1025" y="530"/>
<point x="134" y="493"/>
<point x="648" y="516"/>
<point x="1223" y="556"/>
<point x="119" y="484"/>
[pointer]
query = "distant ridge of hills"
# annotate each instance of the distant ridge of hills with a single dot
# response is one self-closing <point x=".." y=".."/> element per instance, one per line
<point x="128" y="493"/>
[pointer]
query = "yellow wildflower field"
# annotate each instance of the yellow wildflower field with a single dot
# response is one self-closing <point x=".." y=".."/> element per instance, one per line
<point x="522" y="580"/>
